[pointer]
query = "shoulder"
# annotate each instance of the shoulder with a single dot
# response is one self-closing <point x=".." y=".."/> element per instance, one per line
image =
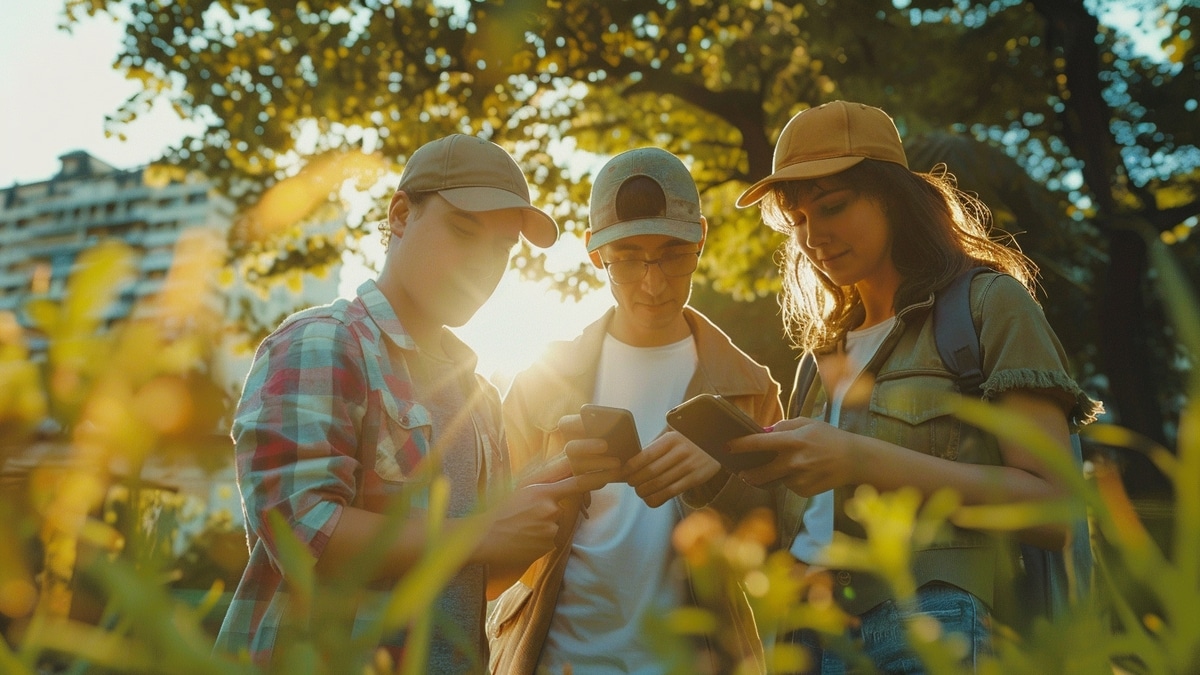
<point x="999" y="287"/>
<point x="318" y="336"/>
<point x="999" y="297"/>
<point x="731" y="368"/>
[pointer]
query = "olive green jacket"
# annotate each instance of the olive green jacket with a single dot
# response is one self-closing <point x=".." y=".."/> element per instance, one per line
<point x="910" y="406"/>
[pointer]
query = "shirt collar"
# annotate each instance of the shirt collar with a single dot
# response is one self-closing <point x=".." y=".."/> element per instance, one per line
<point x="381" y="312"/>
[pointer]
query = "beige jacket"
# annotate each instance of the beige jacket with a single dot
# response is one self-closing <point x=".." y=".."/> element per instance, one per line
<point x="558" y="385"/>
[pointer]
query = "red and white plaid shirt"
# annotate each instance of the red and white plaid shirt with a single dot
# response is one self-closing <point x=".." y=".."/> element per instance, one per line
<point x="329" y="419"/>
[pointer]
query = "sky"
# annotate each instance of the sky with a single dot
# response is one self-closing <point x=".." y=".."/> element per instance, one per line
<point x="57" y="89"/>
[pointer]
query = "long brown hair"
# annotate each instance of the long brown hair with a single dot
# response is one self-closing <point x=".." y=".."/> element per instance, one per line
<point x="937" y="232"/>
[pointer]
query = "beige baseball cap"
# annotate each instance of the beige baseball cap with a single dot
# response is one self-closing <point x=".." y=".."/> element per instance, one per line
<point x="477" y="175"/>
<point x="681" y="216"/>
<point x="829" y="139"/>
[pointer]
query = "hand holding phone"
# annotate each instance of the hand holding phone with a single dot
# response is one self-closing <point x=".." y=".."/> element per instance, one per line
<point x="616" y="426"/>
<point x="711" y="422"/>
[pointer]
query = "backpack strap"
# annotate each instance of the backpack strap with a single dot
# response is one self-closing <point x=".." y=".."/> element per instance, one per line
<point x="955" y="333"/>
<point x="802" y="386"/>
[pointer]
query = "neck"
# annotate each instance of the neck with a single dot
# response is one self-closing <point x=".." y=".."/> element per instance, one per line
<point x="423" y="330"/>
<point x="648" y="336"/>
<point x="878" y="298"/>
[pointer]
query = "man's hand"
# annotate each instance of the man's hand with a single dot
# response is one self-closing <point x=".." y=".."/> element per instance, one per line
<point x="525" y="524"/>
<point x="668" y="467"/>
<point x="588" y="456"/>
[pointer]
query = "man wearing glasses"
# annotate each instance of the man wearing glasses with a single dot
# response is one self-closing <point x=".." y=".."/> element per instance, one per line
<point x="582" y="606"/>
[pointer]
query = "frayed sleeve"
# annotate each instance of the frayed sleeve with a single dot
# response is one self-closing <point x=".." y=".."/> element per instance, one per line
<point x="1021" y="352"/>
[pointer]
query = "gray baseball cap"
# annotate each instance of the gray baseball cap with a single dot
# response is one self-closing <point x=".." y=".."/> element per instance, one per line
<point x="681" y="217"/>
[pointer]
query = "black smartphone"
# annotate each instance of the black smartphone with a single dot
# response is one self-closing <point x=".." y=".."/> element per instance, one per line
<point x="614" y="425"/>
<point x="711" y="422"/>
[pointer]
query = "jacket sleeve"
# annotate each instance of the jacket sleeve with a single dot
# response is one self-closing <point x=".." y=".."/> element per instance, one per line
<point x="525" y="440"/>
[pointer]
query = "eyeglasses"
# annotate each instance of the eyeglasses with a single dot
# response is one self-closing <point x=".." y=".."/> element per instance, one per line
<point x="633" y="271"/>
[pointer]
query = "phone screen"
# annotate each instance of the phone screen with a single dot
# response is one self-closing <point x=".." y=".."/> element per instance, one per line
<point x="616" y="426"/>
<point x="711" y="422"/>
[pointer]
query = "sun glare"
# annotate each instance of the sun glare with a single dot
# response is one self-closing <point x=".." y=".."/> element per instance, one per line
<point x="514" y="326"/>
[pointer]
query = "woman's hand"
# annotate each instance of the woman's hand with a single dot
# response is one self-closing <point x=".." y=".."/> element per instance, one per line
<point x="811" y="456"/>
<point x="668" y="467"/>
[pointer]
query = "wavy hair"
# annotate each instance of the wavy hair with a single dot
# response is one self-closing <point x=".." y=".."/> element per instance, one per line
<point x="937" y="232"/>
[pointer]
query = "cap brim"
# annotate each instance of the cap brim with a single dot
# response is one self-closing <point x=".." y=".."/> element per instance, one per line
<point x="678" y="229"/>
<point x="538" y="227"/>
<point x="817" y="168"/>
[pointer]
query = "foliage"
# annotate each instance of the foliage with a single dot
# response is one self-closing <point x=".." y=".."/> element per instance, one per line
<point x="1076" y="103"/>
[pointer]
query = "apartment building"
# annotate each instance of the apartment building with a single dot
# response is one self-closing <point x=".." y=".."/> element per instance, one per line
<point x="46" y="225"/>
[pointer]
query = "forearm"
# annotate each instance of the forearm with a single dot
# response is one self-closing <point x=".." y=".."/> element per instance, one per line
<point x="357" y="530"/>
<point x="889" y="467"/>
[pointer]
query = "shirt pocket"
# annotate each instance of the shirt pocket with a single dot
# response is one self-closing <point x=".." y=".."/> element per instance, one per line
<point x="508" y="609"/>
<point x="915" y="412"/>
<point x="404" y="440"/>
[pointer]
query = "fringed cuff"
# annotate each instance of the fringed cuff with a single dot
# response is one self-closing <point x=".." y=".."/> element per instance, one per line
<point x="1082" y="409"/>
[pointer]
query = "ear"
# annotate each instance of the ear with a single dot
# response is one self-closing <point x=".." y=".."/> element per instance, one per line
<point x="398" y="211"/>
<point x="703" y="232"/>
<point x="594" y="256"/>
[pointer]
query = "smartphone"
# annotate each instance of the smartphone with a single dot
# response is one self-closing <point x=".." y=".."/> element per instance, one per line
<point x="614" y="425"/>
<point x="711" y="422"/>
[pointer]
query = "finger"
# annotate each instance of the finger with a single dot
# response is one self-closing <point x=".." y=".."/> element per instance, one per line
<point x="571" y="486"/>
<point x="762" y="475"/>
<point x="794" y="423"/>
<point x="595" y="480"/>
<point x="644" y="459"/>
<point x="554" y="469"/>
<point x="583" y="447"/>
<point x="571" y="426"/>
<point x="591" y="454"/>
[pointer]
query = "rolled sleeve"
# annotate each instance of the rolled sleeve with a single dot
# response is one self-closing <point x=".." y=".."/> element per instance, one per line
<point x="296" y="429"/>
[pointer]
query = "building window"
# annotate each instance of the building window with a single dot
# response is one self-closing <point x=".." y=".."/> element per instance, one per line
<point x="40" y="283"/>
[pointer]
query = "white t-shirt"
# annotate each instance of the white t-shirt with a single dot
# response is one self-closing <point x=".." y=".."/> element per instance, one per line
<point x="838" y="370"/>
<point x="619" y="570"/>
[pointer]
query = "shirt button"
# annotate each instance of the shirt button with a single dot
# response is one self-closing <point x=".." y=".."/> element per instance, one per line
<point x="404" y="420"/>
<point x="843" y="578"/>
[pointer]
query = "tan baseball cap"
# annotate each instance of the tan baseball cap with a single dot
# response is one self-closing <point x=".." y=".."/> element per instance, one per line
<point x="829" y="139"/>
<point x="477" y="175"/>
<point x="681" y="216"/>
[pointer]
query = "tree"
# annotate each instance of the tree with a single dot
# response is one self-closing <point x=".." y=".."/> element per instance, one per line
<point x="1104" y="136"/>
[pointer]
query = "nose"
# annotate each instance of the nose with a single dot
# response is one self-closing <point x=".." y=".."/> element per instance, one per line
<point x="814" y="233"/>
<point x="654" y="281"/>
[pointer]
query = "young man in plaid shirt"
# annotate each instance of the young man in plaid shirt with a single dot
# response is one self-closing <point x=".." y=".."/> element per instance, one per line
<point x="351" y="406"/>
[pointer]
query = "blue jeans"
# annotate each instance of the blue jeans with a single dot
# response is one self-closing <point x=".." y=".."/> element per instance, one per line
<point x="881" y="637"/>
